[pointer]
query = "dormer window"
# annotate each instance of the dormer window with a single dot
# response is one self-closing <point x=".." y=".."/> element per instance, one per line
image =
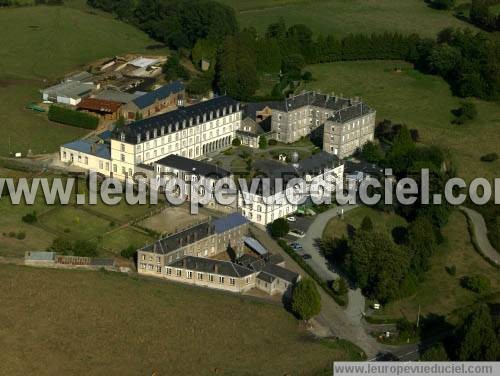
<point x="122" y="137"/>
<point x="230" y="108"/>
<point x="170" y="128"/>
<point x="217" y="112"/>
<point x="184" y="124"/>
<point x="176" y="126"/>
<point x="197" y="119"/>
<point x="162" y="131"/>
<point x="224" y="111"/>
<point x="147" y="135"/>
<point x="211" y="115"/>
<point x="204" y="118"/>
<point x="155" y="133"/>
<point x="190" y="121"/>
<point x="139" y="138"/>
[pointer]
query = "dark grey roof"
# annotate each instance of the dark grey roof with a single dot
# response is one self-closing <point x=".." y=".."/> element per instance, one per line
<point x="170" y="119"/>
<point x="228" y="222"/>
<point x="355" y="111"/>
<point x="274" y="259"/>
<point x="192" y="166"/>
<point x="266" y="277"/>
<point x="102" y="262"/>
<point x="255" y="245"/>
<point x="116" y="96"/>
<point x="161" y="93"/>
<point x="311" y="98"/>
<point x="309" y="166"/>
<point x="281" y="273"/>
<point x="206" y="265"/>
<point x="251" y="262"/>
<point x="180" y="239"/>
<point x="365" y="167"/>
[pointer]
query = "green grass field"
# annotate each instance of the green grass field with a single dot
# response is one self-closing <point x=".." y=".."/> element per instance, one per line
<point x="110" y="324"/>
<point x="342" y="17"/>
<point x="41" y="45"/>
<point x="420" y="101"/>
<point x="337" y="228"/>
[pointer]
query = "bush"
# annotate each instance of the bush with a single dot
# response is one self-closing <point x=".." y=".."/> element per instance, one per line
<point x="272" y="142"/>
<point x="451" y="270"/>
<point x="128" y="252"/>
<point x="490" y="157"/>
<point x="466" y="112"/>
<point x="340" y="286"/>
<point x="30" y="218"/>
<point x="442" y="4"/>
<point x="262" y="142"/>
<point x="21" y="235"/>
<point x="84" y="248"/>
<point x="70" y="117"/>
<point x="306" y="301"/>
<point x="236" y="142"/>
<point x="279" y="228"/>
<point x="477" y="283"/>
<point x="12" y="234"/>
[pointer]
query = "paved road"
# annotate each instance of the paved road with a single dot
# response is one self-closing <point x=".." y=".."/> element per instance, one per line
<point x="314" y="234"/>
<point x="481" y="234"/>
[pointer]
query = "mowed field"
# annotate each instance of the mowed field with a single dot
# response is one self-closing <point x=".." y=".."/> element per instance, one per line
<point x="40" y="45"/>
<point x="343" y="17"/>
<point x="420" y="101"/>
<point x="439" y="293"/>
<point x="60" y="322"/>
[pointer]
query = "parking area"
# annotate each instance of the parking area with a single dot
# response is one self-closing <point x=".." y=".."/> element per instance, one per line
<point x="301" y="224"/>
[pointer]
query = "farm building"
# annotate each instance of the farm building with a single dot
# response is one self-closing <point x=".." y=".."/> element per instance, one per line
<point x="71" y="90"/>
<point x="166" y="97"/>
<point x="116" y="96"/>
<point x="104" y="109"/>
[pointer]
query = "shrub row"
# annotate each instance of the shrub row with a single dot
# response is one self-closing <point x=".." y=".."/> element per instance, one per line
<point x="341" y="300"/>
<point x="73" y="118"/>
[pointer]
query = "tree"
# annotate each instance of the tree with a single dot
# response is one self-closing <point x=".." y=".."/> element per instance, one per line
<point x="279" y="228"/>
<point x="421" y="242"/>
<point x="436" y="353"/>
<point x="204" y="49"/>
<point x="477" y="283"/>
<point x="477" y="338"/>
<point x="236" y="70"/>
<point x="85" y="248"/>
<point x="377" y="264"/>
<point x="442" y="4"/>
<point x="292" y="65"/>
<point x="371" y="152"/>
<point x="129" y="252"/>
<point x="236" y="142"/>
<point x="307" y="76"/>
<point x="466" y="112"/>
<point x="173" y="68"/>
<point x="262" y="142"/>
<point x="366" y="224"/>
<point x="61" y="246"/>
<point x="340" y="286"/>
<point x="306" y="301"/>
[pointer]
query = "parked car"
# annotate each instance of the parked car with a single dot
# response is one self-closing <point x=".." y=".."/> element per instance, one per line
<point x="306" y="256"/>
<point x="296" y="246"/>
<point x="291" y="219"/>
<point x="297" y="233"/>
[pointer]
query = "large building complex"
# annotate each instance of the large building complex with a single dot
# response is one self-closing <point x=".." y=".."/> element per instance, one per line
<point x="187" y="257"/>
<point x="300" y="115"/>
<point x="191" y="132"/>
<point x="270" y="201"/>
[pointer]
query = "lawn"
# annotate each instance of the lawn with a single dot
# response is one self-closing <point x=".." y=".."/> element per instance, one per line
<point x="116" y="241"/>
<point x="343" y="17"/>
<point x="420" y="101"/>
<point x="41" y="45"/>
<point x="441" y="293"/>
<point x="82" y="322"/>
<point x="383" y="222"/>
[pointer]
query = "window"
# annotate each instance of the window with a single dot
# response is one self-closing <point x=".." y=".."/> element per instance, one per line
<point x="200" y="276"/>
<point x="101" y="165"/>
<point x="210" y="278"/>
<point x="168" y="271"/>
<point x="221" y="279"/>
<point x="158" y="269"/>
<point x="122" y="147"/>
<point x="115" y="169"/>
<point x="143" y="257"/>
<point x="247" y="280"/>
<point x="189" y="274"/>
<point x="178" y="272"/>
<point x="231" y="281"/>
<point x="86" y="160"/>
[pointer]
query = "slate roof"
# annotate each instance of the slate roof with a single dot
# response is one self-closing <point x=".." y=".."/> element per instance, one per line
<point x="40" y="256"/>
<point x="355" y="111"/>
<point x="161" y="93"/>
<point x="192" y="166"/>
<point x="250" y="109"/>
<point x="271" y="271"/>
<point x="206" y="265"/>
<point x="69" y="89"/>
<point x="180" y="239"/>
<point x="177" y="116"/>
<point x="251" y="262"/>
<point x="101" y="150"/>
<point x="228" y="222"/>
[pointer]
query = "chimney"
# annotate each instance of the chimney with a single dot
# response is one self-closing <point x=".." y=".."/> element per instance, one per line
<point x="93" y="148"/>
<point x="216" y="268"/>
<point x="184" y="263"/>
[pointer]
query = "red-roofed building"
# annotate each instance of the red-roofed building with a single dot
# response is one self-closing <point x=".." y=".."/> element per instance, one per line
<point x="105" y="109"/>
